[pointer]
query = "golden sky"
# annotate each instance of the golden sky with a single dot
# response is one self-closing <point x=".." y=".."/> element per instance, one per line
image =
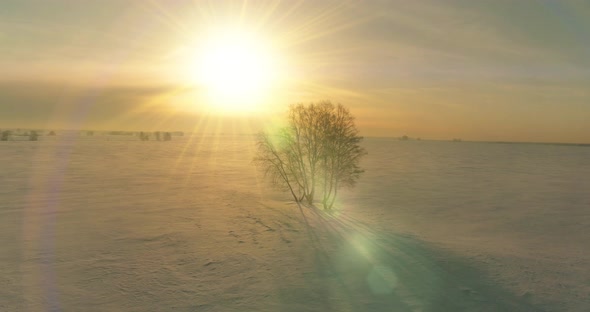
<point x="477" y="70"/>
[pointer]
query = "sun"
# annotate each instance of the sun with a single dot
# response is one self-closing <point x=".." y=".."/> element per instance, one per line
<point x="235" y="69"/>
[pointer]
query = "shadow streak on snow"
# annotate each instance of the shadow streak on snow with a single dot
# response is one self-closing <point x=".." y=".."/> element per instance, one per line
<point x="360" y="269"/>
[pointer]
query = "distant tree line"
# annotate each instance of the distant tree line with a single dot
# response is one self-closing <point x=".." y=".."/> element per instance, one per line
<point x="33" y="135"/>
<point x="159" y="136"/>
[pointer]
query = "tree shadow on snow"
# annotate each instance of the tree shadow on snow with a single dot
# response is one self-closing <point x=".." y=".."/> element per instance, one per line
<point x="360" y="269"/>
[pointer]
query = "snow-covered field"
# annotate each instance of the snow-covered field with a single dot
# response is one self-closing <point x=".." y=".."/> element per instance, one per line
<point x="110" y="223"/>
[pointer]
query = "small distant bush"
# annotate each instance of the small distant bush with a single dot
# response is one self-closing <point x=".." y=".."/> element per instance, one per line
<point x="144" y="136"/>
<point x="5" y="135"/>
<point x="33" y="136"/>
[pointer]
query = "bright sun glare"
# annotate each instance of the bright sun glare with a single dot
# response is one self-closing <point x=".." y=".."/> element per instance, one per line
<point x="237" y="70"/>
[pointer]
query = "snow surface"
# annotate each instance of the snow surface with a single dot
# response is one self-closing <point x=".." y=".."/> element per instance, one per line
<point x="110" y="223"/>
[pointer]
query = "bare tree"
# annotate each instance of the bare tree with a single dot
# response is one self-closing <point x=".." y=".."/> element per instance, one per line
<point x="317" y="152"/>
